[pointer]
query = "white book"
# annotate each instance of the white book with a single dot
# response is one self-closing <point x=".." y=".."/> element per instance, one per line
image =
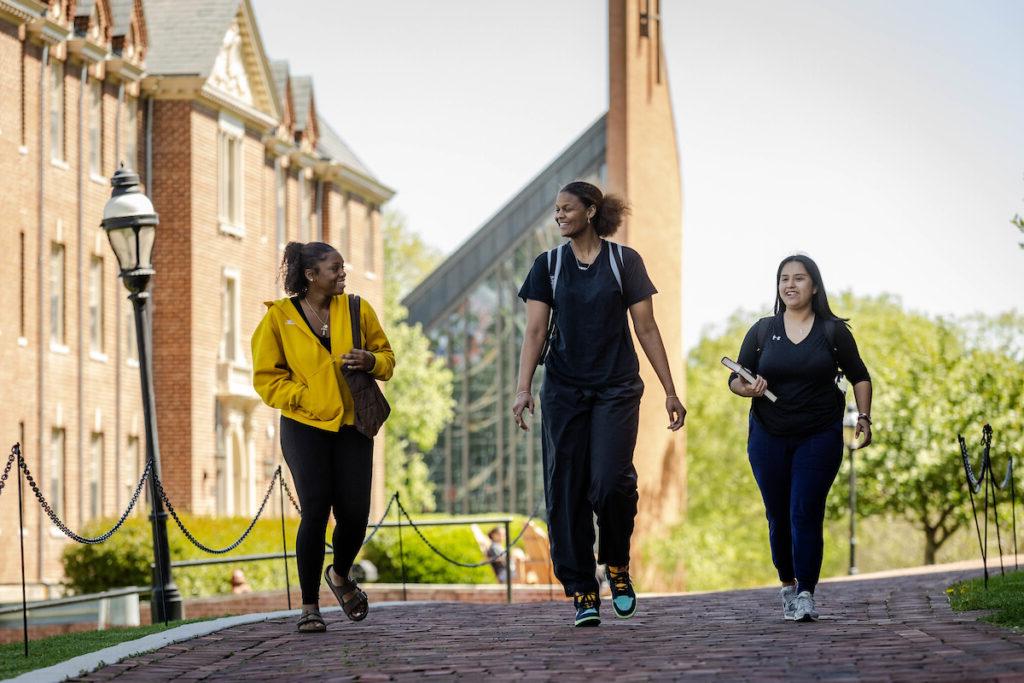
<point x="746" y="375"/>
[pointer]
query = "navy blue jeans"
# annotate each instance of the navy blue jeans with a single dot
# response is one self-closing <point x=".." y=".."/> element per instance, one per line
<point x="794" y="474"/>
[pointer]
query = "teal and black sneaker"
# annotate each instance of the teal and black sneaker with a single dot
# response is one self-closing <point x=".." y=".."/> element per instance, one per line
<point x="623" y="595"/>
<point x="587" y="609"/>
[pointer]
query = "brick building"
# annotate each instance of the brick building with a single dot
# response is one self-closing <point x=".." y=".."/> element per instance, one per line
<point x="237" y="162"/>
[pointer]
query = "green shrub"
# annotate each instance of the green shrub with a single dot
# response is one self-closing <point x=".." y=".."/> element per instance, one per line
<point x="422" y="565"/>
<point x="124" y="559"/>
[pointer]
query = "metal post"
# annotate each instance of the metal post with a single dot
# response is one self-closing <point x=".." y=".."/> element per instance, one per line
<point x="401" y="550"/>
<point x="165" y="603"/>
<point x="853" y="513"/>
<point x="21" y="539"/>
<point x="284" y="542"/>
<point x="508" y="563"/>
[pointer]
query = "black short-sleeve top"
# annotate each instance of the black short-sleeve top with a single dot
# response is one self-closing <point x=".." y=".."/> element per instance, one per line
<point x="801" y="375"/>
<point x="592" y="345"/>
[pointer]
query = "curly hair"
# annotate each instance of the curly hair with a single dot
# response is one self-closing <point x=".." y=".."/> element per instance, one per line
<point x="297" y="258"/>
<point x="611" y="209"/>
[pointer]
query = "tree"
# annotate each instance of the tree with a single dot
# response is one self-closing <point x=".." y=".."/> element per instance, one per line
<point x="420" y="393"/>
<point x="933" y="379"/>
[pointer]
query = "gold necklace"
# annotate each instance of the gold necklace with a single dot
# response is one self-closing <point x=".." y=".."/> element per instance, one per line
<point x="323" y="324"/>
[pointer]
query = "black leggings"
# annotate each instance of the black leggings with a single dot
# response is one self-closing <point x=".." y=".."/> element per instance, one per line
<point x="331" y="470"/>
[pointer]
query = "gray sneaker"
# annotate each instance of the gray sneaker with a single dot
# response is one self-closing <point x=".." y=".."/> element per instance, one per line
<point x="804" y="607"/>
<point x="788" y="595"/>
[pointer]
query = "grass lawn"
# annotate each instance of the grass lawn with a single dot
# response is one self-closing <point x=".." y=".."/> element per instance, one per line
<point x="1005" y="596"/>
<point x="48" y="651"/>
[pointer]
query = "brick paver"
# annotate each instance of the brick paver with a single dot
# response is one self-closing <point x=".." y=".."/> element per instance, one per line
<point x="896" y="628"/>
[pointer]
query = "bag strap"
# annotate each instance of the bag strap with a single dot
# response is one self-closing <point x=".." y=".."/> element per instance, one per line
<point x="762" y="328"/>
<point x="554" y="267"/>
<point x="617" y="263"/>
<point x="353" y="311"/>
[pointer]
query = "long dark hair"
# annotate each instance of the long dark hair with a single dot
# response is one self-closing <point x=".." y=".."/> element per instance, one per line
<point x="819" y="300"/>
<point x="297" y="258"/>
<point x="611" y="210"/>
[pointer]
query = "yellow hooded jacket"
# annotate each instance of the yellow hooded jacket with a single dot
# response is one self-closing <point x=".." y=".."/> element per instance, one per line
<point x="293" y="371"/>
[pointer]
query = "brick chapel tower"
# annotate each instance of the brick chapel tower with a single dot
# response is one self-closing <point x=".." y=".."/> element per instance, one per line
<point x="643" y="166"/>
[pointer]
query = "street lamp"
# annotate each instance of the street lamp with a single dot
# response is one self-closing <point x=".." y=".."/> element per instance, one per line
<point x="850" y="440"/>
<point x="130" y="223"/>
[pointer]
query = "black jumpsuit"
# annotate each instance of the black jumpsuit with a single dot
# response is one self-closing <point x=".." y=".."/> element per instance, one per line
<point x="590" y="405"/>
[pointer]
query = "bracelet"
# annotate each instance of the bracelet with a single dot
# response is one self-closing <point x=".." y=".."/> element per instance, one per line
<point x="865" y="417"/>
<point x="668" y="396"/>
<point x="520" y="393"/>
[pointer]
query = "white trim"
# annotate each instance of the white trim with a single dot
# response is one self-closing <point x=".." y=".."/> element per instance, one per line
<point x="59" y="348"/>
<point x="370" y="275"/>
<point x="60" y="163"/>
<point x="22" y="341"/>
<point x="227" y="228"/>
<point x="98" y="179"/>
<point x="22" y="150"/>
<point x="98" y="356"/>
<point x="231" y="125"/>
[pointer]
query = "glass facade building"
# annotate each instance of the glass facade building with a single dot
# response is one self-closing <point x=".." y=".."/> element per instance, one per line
<point x="470" y="309"/>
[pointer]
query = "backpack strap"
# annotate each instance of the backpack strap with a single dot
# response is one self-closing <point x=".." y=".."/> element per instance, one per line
<point x="761" y="329"/>
<point x="554" y="267"/>
<point x="353" y="311"/>
<point x="616" y="261"/>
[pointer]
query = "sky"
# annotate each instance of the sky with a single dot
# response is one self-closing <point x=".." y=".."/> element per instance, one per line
<point x="885" y="139"/>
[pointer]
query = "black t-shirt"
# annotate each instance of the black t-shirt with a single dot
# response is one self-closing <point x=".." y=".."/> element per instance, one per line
<point x="802" y="376"/>
<point x="592" y="345"/>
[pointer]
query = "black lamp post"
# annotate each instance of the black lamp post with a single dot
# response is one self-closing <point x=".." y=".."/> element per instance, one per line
<point x="130" y="222"/>
<point x="850" y="440"/>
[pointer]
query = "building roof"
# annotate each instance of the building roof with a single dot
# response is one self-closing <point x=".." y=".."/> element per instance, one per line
<point x="451" y="280"/>
<point x="121" y="11"/>
<point x="331" y="146"/>
<point x="279" y="70"/>
<point x="302" y="95"/>
<point x="185" y="36"/>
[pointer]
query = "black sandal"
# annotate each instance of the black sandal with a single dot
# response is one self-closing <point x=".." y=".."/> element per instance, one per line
<point x="357" y="606"/>
<point x="311" y="622"/>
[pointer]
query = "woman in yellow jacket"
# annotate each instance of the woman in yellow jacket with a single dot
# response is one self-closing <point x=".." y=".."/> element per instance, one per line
<point x="298" y="351"/>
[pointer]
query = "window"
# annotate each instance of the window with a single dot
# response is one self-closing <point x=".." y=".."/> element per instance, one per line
<point x="371" y="240"/>
<point x="303" y="207"/>
<point x="96" y="305"/>
<point x="281" y="205"/>
<point x="229" y="151"/>
<point x="56" y="110"/>
<point x="55" y="489"/>
<point x="131" y="351"/>
<point x="131" y="133"/>
<point x="21" y="284"/>
<point x="24" y="95"/>
<point x="343" y="227"/>
<point x="132" y="468"/>
<point x="95" y="475"/>
<point x="318" y="210"/>
<point x="57" y="336"/>
<point x="229" y="345"/>
<point x="96" y="128"/>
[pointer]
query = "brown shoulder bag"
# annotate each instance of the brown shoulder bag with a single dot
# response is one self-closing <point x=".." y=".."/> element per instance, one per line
<point x="372" y="409"/>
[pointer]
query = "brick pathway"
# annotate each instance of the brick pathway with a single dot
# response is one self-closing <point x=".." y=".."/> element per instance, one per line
<point x="896" y="628"/>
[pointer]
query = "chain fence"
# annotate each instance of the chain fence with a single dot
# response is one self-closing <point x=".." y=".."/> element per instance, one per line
<point x="983" y="481"/>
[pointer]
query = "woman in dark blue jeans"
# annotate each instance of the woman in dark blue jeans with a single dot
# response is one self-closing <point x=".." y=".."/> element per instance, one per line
<point x="795" y="444"/>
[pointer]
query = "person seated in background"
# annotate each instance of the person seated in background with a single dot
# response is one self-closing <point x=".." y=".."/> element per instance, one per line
<point x="498" y="559"/>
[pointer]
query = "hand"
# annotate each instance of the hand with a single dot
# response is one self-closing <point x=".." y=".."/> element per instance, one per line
<point x="524" y="401"/>
<point x="359" y="359"/>
<point x="863" y="427"/>
<point x="676" y="413"/>
<point x="757" y="389"/>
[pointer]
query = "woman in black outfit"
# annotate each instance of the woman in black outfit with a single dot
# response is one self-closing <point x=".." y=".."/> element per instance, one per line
<point x="591" y="393"/>
<point x="795" y="444"/>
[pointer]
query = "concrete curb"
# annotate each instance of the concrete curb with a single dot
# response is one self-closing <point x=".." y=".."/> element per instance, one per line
<point x="87" y="663"/>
